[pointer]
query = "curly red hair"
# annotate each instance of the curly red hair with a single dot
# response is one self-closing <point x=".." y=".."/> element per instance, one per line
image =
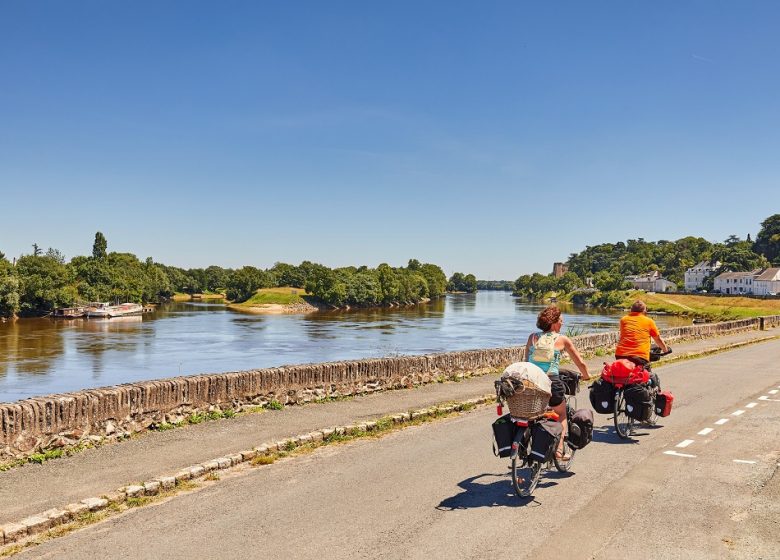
<point x="548" y="317"/>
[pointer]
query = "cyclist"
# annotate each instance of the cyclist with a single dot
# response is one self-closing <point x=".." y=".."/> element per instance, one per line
<point x="636" y="330"/>
<point x="544" y="349"/>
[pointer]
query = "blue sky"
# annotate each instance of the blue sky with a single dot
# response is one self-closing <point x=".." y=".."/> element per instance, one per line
<point x="490" y="137"/>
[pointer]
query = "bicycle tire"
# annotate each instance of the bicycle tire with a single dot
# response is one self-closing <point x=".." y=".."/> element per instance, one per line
<point x="524" y="486"/>
<point x="623" y="423"/>
<point x="561" y="465"/>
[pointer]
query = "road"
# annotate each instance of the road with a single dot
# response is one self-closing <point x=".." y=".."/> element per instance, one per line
<point x="436" y="491"/>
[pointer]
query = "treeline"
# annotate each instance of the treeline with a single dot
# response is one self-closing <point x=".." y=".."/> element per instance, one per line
<point x="502" y="285"/>
<point x="608" y="264"/>
<point x="460" y="282"/>
<point x="42" y="281"/>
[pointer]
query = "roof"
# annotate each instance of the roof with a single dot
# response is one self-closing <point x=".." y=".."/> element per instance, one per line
<point x="729" y="275"/>
<point x="769" y="274"/>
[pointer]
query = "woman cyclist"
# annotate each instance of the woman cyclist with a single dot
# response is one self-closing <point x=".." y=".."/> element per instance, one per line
<point x="544" y="350"/>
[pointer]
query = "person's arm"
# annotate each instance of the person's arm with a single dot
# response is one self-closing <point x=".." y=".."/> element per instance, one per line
<point x="660" y="342"/>
<point x="528" y="344"/>
<point x="568" y="346"/>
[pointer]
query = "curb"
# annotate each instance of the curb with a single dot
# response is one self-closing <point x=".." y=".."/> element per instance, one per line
<point x="39" y="523"/>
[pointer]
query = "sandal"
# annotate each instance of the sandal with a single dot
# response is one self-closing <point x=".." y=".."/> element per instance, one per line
<point x="562" y="456"/>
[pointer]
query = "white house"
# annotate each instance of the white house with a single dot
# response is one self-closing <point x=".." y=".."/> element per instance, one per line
<point x="768" y="282"/>
<point x="736" y="282"/>
<point x="695" y="276"/>
<point x="652" y="282"/>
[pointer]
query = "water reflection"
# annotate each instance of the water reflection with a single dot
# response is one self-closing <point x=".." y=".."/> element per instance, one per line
<point x="42" y="356"/>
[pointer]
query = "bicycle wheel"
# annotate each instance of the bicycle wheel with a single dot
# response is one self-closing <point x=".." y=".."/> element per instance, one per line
<point x="653" y="415"/>
<point x="623" y="423"/>
<point x="565" y="465"/>
<point x="525" y="479"/>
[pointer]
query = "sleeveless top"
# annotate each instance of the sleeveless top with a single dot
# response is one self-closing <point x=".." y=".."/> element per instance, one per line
<point x="551" y="368"/>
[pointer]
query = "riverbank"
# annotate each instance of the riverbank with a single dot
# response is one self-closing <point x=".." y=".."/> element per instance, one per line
<point x="277" y="301"/>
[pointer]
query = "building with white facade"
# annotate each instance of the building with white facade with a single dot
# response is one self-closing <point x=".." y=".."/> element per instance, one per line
<point x="696" y="275"/>
<point x="736" y="282"/>
<point x="767" y="282"/>
<point x="652" y="282"/>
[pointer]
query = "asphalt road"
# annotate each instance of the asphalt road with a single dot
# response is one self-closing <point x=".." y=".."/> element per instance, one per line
<point x="436" y="491"/>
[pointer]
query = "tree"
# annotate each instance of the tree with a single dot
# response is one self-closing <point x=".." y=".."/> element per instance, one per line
<point x="44" y="284"/>
<point x="9" y="289"/>
<point x="100" y="246"/>
<point x="36" y="250"/>
<point x="768" y="239"/>
<point x="245" y="281"/>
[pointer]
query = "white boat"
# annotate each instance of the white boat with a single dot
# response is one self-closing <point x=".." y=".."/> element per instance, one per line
<point x="106" y="310"/>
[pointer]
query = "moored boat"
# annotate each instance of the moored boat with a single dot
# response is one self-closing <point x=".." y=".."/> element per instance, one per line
<point x="69" y="312"/>
<point x="106" y="311"/>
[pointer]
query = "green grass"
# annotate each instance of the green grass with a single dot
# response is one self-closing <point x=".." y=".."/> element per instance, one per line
<point x="276" y="296"/>
<point x="710" y="307"/>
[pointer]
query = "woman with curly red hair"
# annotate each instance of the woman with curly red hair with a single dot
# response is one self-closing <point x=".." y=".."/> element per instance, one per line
<point x="544" y="349"/>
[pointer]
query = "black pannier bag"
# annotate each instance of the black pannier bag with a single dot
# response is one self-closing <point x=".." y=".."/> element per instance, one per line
<point x="638" y="403"/>
<point x="544" y="438"/>
<point x="602" y="396"/>
<point x="581" y="428"/>
<point x="503" y="434"/>
<point x="571" y="380"/>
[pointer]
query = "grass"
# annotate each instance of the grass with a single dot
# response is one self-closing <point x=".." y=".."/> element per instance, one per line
<point x="276" y="296"/>
<point x="714" y="308"/>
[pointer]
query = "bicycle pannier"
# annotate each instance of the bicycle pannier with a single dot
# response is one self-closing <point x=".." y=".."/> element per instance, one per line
<point x="663" y="403"/>
<point x="624" y="372"/>
<point x="503" y="434"/>
<point x="581" y="428"/>
<point x="638" y="403"/>
<point x="544" y="439"/>
<point x="602" y="396"/>
<point x="571" y="380"/>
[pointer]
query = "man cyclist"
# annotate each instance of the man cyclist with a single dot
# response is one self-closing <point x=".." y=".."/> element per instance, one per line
<point x="636" y="330"/>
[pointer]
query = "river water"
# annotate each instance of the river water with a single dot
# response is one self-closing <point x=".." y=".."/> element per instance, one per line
<point x="44" y="356"/>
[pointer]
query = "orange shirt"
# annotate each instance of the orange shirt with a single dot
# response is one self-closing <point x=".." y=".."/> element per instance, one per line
<point x="635" y="332"/>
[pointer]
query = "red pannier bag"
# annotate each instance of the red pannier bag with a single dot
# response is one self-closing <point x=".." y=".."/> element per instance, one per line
<point x="624" y="372"/>
<point x="663" y="403"/>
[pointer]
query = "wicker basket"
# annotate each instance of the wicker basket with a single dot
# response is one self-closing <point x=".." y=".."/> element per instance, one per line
<point x="528" y="403"/>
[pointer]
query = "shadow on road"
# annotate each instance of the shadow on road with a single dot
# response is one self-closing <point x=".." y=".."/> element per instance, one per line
<point x="497" y="492"/>
<point x="607" y="434"/>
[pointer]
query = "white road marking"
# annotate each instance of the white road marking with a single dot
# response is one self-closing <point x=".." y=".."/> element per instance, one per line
<point x="706" y="431"/>
<point x="751" y="405"/>
<point x="737" y="412"/>
<point x="744" y="462"/>
<point x="722" y="421"/>
<point x="676" y="454"/>
<point x="684" y="443"/>
<point x="765" y="398"/>
<point x="773" y="392"/>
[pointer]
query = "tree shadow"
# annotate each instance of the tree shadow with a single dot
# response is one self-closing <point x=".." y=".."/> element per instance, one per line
<point x="496" y="493"/>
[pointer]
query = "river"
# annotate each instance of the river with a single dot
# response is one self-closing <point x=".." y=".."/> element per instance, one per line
<point x="44" y="356"/>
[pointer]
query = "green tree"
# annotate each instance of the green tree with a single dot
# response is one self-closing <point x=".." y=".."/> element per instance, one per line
<point x="9" y="289"/>
<point x="244" y="282"/>
<point x="436" y="280"/>
<point x="100" y="246"/>
<point x="44" y="284"/>
<point x="768" y="239"/>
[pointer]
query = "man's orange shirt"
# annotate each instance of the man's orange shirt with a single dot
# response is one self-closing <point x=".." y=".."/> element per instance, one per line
<point x="635" y="332"/>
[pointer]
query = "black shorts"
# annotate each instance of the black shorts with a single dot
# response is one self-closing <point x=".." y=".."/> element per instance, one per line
<point x="558" y="390"/>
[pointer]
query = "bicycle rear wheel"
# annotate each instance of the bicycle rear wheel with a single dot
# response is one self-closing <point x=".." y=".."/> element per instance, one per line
<point x="561" y="464"/>
<point x="623" y="423"/>
<point x="525" y="479"/>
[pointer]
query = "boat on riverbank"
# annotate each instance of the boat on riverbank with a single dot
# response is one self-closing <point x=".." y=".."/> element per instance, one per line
<point x="107" y="311"/>
<point x="69" y="312"/>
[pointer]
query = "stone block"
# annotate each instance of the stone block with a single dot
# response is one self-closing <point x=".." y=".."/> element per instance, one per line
<point x="197" y="470"/>
<point x="116" y="497"/>
<point x="263" y="449"/>
<point x="95" y="504"/>
<point x="152" y="487"/>
<point x="12" y="532"/>
<point x="224" y="463"/>
<point x="57" y="516"/>
<point x="135" y="491"/>
<point x="36" y="524"/>
<point x="236" y="458"/>
<point x="248" y="455"/>
<point x="76" y="509"/>
<point x="306" y="438"/>
<point x="317" y="436"/>
<point x="168" y="482"/>
<point x="370" y="426"/>
<point x="209" y="466"/>
<point x="182" y="476"/>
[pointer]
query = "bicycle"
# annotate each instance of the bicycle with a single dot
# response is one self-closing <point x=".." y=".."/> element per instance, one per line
<point x="571" y="391"/>
<point x="624" y="422"/>
<point x="524" y="486"/>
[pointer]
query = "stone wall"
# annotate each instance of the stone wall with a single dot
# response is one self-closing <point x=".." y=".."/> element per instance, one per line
<point x="65" y="420"/>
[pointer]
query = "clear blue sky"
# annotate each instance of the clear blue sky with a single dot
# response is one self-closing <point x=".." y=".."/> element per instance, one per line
<point x="488" y="137"/>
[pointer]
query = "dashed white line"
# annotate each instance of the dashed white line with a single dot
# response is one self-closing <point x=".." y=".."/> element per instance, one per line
<point x="676" y="454"/>
<point x="737" y="412"/>
<point x="751" y="405"/>
<point x="706" y="431"/>
<point x="684" y="443"/>
<point x="722" y="421"/>
<point x="773" y="392"/>
<point x="745" y="462"/>
<point x="765" y="398"/>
